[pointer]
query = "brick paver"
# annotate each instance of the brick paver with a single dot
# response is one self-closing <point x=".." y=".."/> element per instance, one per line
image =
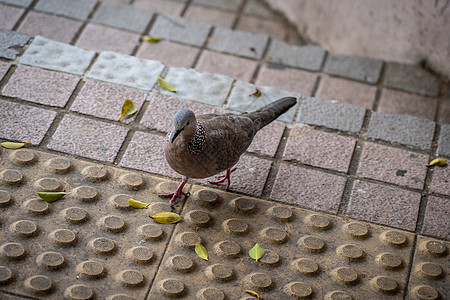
<point x="397" y="166"/>
<point x="236" y="67"/>
<point x="76" y="9"/>
<point x="4" y="66"/>
<point x="41" y="86"/>
<point x="354" y="67"/>
<point x="9" y="16"/>
<point x="88" y="138"/>
<point x="405" y="130"/>
<point x="232" y="5"/>
<point x="308" y="188"/>
<point x="267" y="139"/>
<point x="24" y="123"/>
<point x="444" y="140"/>
<point x="10" y="41"/>
<point x="104" y="100"/>
<point x="170" y="54"/>
<point x="331" y="114"/>
<point x="257" y="25"/>
<point x="319" y="149"/>
<point x="23" y="3"/>
<point x="346" y="91"/>
<point x="441" y="183"/>
<point x="444" y="112"/>
<point x="161" y="6"/>
<point x="384" y="205"/>
<point x="396" y="102"/>
<point x="437" y="221"/>
<point x="102" y="38"/>
<point x="289" y="79"/>
<point x="257" y="8"/>
<point x="215" y="17"/>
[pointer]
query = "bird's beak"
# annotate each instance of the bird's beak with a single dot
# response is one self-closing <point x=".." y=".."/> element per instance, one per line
<point x="175" y="133"/>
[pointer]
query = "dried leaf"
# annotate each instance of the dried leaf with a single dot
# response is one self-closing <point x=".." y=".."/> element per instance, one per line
<point x="151" y="38"/>
<point x="52" y="196"/>
<point x="138" y="204"/>
<point x="254" y="294"/>
<point x="12" y="145"/>
<point x="165" y="85"/>
<point x="256" y="252"/>
<point x="257" y="93"/>
<point x="128" y="109"/>
<point x="201" y="251"/>
<point x="437" y="162"/>
<point x="166" y="217"/>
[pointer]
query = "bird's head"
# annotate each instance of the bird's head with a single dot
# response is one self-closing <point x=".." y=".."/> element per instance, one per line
<point x="184" y="123"/>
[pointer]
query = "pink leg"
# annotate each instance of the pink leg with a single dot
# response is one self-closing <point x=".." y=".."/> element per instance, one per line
<point x="224" y="177"/>
<point x="178" y="193"/>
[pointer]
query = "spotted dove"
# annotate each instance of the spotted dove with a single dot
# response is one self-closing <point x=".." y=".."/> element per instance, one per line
<point x="205" y="145"/>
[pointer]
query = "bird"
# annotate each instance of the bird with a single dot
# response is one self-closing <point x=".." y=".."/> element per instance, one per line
<point x="206" y="145"/>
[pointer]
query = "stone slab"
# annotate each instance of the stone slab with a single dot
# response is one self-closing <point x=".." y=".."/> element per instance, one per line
<point x="331" y="114"/>
<point x="4" y="67"/>
<point x="180" y="30"/>
<point x="126" y="70"/>
<point x="57" y="56"/>
<point x="10" y="41"/>
<point x="190" y="84"/>
<point x="444" y="112"/>
<point x="123" y="16"/>
<point x="241" y="99"/>
<point x="174" y="8"/>
<point x="79" y="9"/>
<point x="402" y="129"/>
<point x="304" y="57"/>
<point x="271" y="26"/>
<point x="437" y="221"/>
<point x="88" y="138"/>
<point x="239" y="43"/>
<point x="354" y="67"/>
<point x="170" y="54"/>
<point x="215" y="17"/>
<point x="24" y="123"/>
<point x="22" y="3"/>
<point x="440" y="183"/>
<point x="444" y="140"/>
<point x="232" y="5"/>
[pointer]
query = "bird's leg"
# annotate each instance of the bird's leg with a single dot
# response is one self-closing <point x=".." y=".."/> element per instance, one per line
<point x="178" y="192"/>
<point x="224" y="177"/>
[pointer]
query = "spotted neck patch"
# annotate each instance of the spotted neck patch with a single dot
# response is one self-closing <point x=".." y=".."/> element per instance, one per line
<point x="198" y="140"/>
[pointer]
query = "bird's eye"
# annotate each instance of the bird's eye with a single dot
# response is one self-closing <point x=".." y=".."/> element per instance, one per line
<point x="188" y="123"/>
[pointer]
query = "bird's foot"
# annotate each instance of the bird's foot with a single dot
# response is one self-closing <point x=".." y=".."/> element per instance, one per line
<point x="224" y="177"/>
<point x="177" y="194"/>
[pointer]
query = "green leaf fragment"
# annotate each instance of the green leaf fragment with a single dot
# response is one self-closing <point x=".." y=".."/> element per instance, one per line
<point x="151" y="38"/>
<point x="52" y="196"/>
<point x="139" y="204"/>
<point x="201" y="251"/>
<point x="166" y="217"/>
<point x="256" y="252"/>
<point x="12" y="145"/>
<point x="165" y="85"/>
<point x="128" y="109"/>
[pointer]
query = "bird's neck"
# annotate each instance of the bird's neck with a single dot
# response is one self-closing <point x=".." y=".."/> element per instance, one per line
<point x="198" y="140"/>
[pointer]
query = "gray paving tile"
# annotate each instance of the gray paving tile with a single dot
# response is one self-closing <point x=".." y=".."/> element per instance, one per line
<point x="181" y="30"/>
<point x="79" y="9"/>
<point x="88" y="138"/>
<point x="238" y="42"/>
<point x="24" y="123"/>
<point x="126" y="70"/>
<point x="9" y="41"/>
<point x="232" y="5"/>
<point x="411" y="78"/>
<point x="444" y="140"/>
<point x="198" y="86"/>
<point x="354" y="67"/>
<point x="402" y="129"/>
<point x="57" y="56"/>
<point x="241" y="99"/>
<point x="331" y="114"/>
<point x="303" y="57"/>
<point x="123" y="16"/>
<point x="23" y="3"/>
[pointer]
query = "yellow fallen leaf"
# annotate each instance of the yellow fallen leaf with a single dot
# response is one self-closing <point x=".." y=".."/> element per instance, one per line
<point x="12" y="145"/>
<point x="128" y="109"/>
<point x="201" y="251"/>
<point x="254" y="294"/>
<point x="166" y="217"/>
<point x="138" y="204"/>
<point x="151" y="38"/>
<point x="52" y="196"/>
<point x="165" y="85"/>
<point x="437" y="162"/>
<point x="256" y="252"/>
<point x="257" y="93"/>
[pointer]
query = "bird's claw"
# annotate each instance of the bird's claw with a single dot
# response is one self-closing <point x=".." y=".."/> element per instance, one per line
<point x="224" y="177"/>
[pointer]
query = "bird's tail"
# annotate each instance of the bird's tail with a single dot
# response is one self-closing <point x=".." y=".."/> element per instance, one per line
<point x="272" y="110"/>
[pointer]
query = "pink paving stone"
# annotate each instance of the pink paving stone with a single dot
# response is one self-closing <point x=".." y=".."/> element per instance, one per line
<point x="104" y="100"/>
<point x="146" y="153"/>
<point x="52" y="27"/>
<point x="401" y="103"/>
<point x="388" y="164"/>
<point x="210" y="16"/>
<point x="9" y="16"/>
<point x="41" y="86"/>
<point x="308" y="188"/>
<point x="4" y="66"/>
<point x="161" y="109"/>
<point x="346" y="91"/>
<point x="173" y="8"/>
<point x="441" y="180"/>
<point x="319" y="149"/>
<point x="266" y="140"/>
<point x="170" y="54"/>
<point x="384" y="205"/>
<point x="102" y="38"/>
<point x="249" y="177"/>
<point x="437" y="218"/>
<point x="236" y="67"/>
<point x="444" y="112"/>
<point x="273" y="28"/>
<point x="288" y="79"/>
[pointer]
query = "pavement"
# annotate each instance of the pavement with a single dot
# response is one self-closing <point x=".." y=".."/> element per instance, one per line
<point x="336" y="191"/>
